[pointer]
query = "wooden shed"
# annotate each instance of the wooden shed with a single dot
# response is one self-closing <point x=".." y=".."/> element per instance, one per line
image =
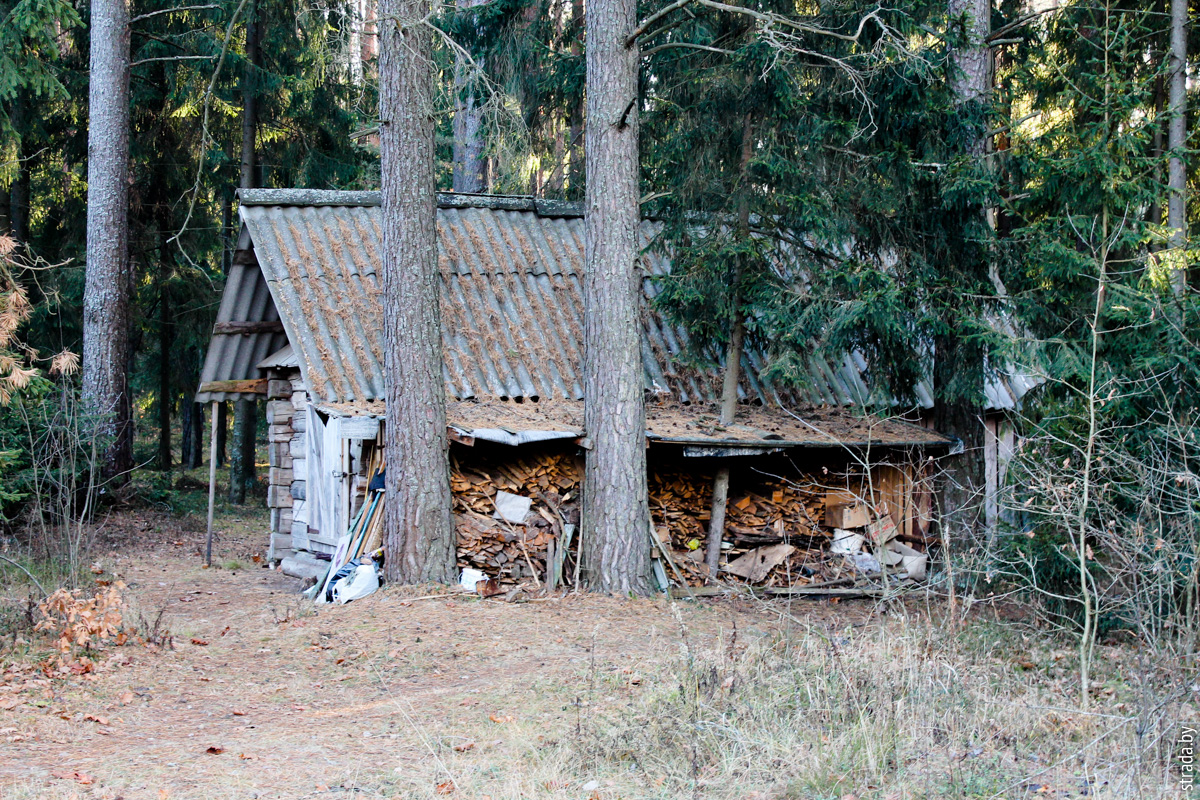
<point x="300" y="326"/>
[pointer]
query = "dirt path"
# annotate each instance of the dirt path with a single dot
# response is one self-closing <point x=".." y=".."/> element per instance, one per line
<point x="386" y="697"/>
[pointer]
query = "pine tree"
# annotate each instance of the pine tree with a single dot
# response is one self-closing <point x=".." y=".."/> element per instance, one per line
<point x="107" y="295"/>
<point x="419" y="537"/>
<point x="616" y="516"/>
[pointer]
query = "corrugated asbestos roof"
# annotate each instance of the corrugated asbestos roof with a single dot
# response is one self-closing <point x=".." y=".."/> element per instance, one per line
<point x="511" y="304"/>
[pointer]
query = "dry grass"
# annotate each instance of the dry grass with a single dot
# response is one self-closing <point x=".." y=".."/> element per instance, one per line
<point x="573" y="698"/>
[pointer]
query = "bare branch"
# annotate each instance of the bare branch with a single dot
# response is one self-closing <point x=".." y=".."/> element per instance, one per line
<point x="688" y="46"/>
<point x="631" y="40"/>
<point x="141" y="61"/>
<point x="149" y="14"/>
<point x="205" y="134"/>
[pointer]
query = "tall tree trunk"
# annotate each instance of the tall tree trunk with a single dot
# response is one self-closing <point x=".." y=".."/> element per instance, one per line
<point x="958" y="412"/>
<point x="107" y="283"/>
<point x="467" y="173"/>
<point x="18" y="198"/>
<point x="245" y="412"/>
<point x="222" y="431"/>
<point x="1176" y="141"/>
<point x="616" y="518"/>
<point x="419" y="536"/>
<point x="575" y="143"/>
<point x="185" y="435"/>
<point x="972" y="60"/>
<point x="733" y="362"/>
<point x="192" y="454"/>
<point x="166" y="331"/>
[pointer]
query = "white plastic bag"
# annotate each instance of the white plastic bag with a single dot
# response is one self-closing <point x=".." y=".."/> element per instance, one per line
<point x="358" y="584"/>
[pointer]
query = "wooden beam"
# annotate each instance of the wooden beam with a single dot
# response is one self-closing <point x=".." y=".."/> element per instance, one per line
<point x="256" y="386"/>
<point x="247" y="328"/>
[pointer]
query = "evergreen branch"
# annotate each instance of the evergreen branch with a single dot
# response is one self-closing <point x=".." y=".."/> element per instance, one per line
<point x="149" y="14"/>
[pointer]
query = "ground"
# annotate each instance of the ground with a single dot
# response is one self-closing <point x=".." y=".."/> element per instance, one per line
<point x="429" y="693"/>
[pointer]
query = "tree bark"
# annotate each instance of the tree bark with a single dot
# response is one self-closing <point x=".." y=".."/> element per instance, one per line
<point x="19" y="191"/>
<point x="419" y="537"/>
<point x="1176" y="141"/>
<point x="107" y="282"/>
<point x="957" y="413"/>
<point x="575" y="147"/>
<point x="973" y="63"/>
<point x="166" y="331"/>
<point x="250" y="98"/>
<point x="467" y="173"/>
<point x="245" y="412"/>
<point x="192" y="446"/>
<point x="222" y="431"/>
<point x="616" y="520"/>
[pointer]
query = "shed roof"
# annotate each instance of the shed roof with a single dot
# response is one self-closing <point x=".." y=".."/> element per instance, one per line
<point x="512" y="322"/>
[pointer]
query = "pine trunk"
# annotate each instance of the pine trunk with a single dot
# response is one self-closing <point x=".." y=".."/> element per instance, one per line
<point x="222" y="431"/>
<point x="107" y="282"/>
<point x="467" y="171"/>
<point x="962" y="478"/>
<point x="419" y="537"/>
<point x="973" y="62"/>
<point x="166" y="331"/>
<point x="245" y="412"/>
<point x="1176" y="141"/>
<point x="616" y="519"/>
<point x="192" y="446"/>
<point x="19" y="191"/>
<point x="575" y="148"/>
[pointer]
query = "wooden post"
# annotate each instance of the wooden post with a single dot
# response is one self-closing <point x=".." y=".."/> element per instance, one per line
<point x="212" y="486"/>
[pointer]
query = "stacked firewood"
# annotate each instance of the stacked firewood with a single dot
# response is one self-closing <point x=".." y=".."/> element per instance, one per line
<point x="771" y="512"/>
<point x="767" y="513"/>
<point x="506" y="551"/>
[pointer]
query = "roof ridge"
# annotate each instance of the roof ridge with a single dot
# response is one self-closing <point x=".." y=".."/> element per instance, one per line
<point x="335" y="197"/>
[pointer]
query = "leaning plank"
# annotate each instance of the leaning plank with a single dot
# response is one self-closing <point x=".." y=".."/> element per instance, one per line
<point x="246" y="328"/>
<point x="258" y="386"/>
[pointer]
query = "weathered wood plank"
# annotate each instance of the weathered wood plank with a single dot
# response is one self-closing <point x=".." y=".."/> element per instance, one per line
<point x="246" y="328"/>
<point x="258" y="386"/>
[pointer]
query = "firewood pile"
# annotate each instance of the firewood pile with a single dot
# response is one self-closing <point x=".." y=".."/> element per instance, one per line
<point x="772" y="512"/>
<point x="777" y="532"/>
<point x="506" y="551"/>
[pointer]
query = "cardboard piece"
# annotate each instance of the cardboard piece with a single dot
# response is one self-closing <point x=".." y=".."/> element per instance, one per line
<point x="755" y="565"/>
<point x="882" y="530"/>
<point x="847" y="515"/>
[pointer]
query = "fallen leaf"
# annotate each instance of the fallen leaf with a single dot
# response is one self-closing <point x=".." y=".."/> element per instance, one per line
<point x="246" y="757"/>
<point x="446" y="787"/>
<point x="198" y="641"/>
<point x="225" y="631"/>
<point x="215" y="751"/>
<point x="499" y="720"/>
<point x="163" y="794"/>
<point x="237" y="712"/>
<point x="78" y="777"/>
<point x="462" y="748"/>
<point x="94" y="718"/>
<point x="9" y="703"/>
<point x="126" y="698"/>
